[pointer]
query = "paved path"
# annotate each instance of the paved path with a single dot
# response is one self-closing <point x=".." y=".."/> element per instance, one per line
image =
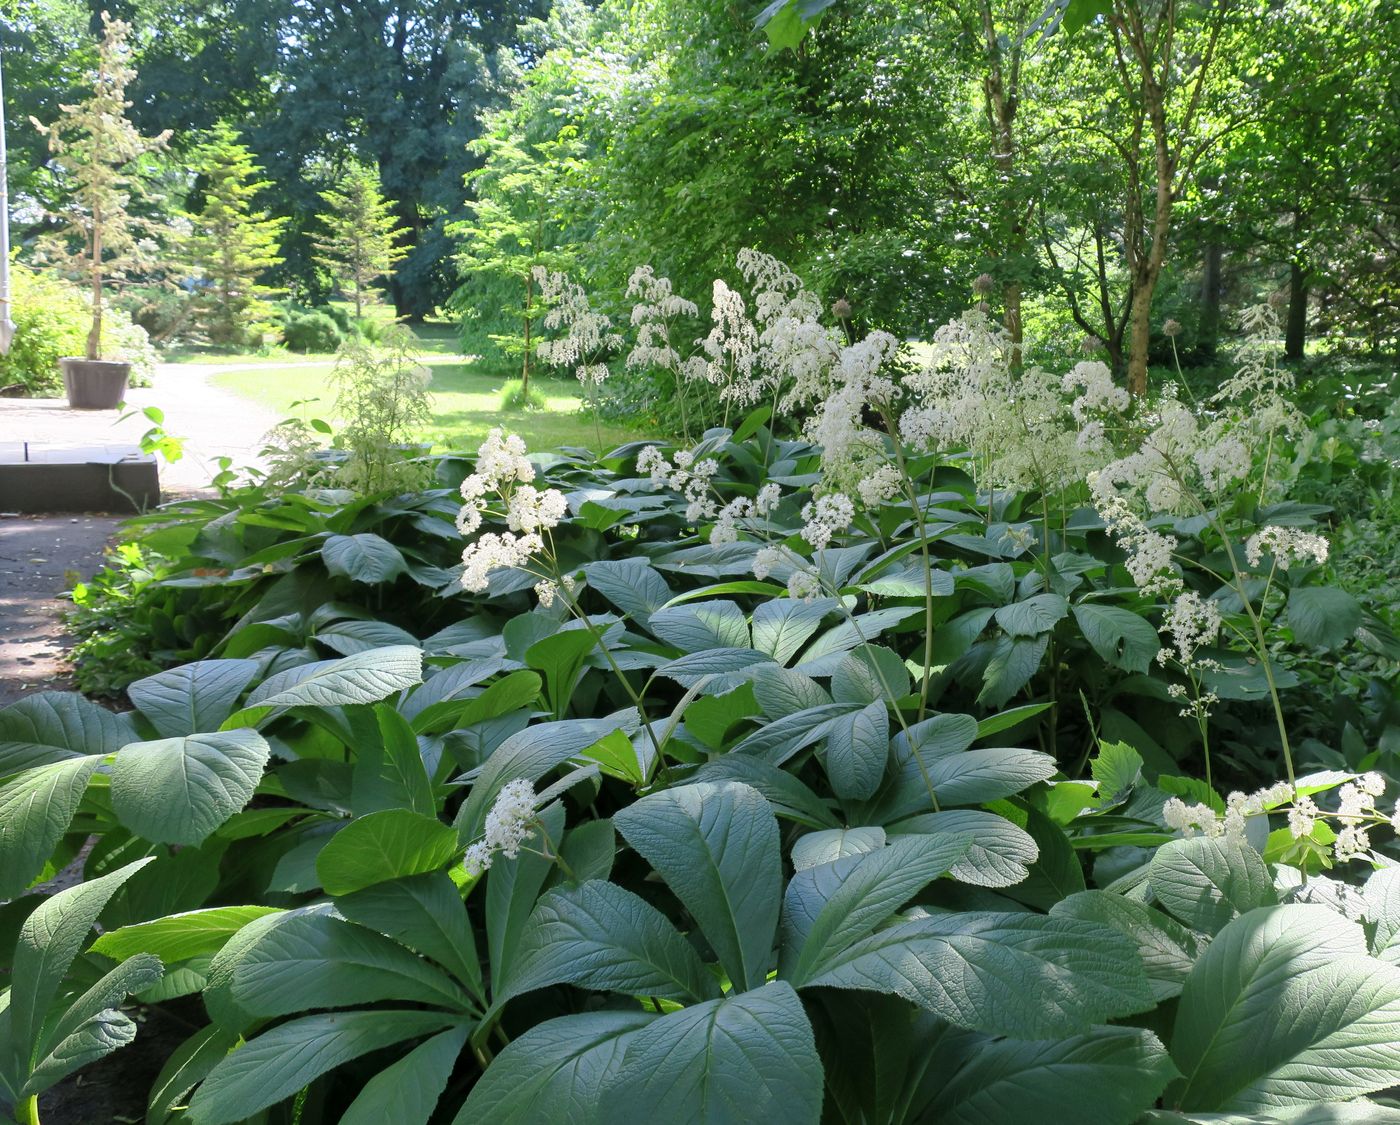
<point x="214" y="422"/>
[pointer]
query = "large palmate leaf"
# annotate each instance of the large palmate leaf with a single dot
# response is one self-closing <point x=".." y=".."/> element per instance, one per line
<point x="1032" y="617"/>
<point x="631" y="585"/>
<point x="1286" y="1007"/>
<point x="829" y="907"/>
<point x="788" y="795"/>
<point x="1021" y="975"/>
<point x="278" y="1063"/>
<point x="1207" y="881"/>
<point x="750" y="1057"/>
<point x="512" y="888"/>
<point x="716" y="845"/>
<point x="389" y="772"/>
<point x="702" y="625"/>
<point x="382" y="846"/>
<point x="1168" y="951"/>
<point x="193" y="697"/>
<point x="834" y="843"/>
<point x="54" y="725"/>
<point x="857" y="750"/>
<point x="554" y="1074"/>
<point x="309" y="958"/>
<point x="35" y="811"/>
<point x="781" y="626"/>
<point x="179" y="790"/>
<point x="599" y="936"/>
<point x="365" y="557"/>
<point x="366" y="677"/>
<point x="1105" y="1077"/>
<point x="1323" y="615"/>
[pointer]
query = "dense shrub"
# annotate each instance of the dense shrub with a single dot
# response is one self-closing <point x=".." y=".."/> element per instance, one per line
<point x="312" y="332"/>
<point x="52" y="318"/>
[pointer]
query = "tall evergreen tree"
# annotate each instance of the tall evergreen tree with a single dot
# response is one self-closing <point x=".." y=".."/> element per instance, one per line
<point x="232" y="244"/>
<point x="359" y="242"/>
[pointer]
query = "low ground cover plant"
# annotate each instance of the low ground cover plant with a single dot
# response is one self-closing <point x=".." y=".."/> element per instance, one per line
<point x="938" y="763"/>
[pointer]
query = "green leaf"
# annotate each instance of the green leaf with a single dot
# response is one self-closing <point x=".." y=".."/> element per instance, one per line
<point x="366" y="677"/>
<point x="91" y="1026"/>
<point x="781" y="626"/>
<point x="1117" y="768"/>
<point x="1032" y="617"/>
<point x="1000" y="853"/>
<point x="1285" y="1008"/>
<point x="857" y="751"/>
<point x="630" y="584"/>
<point x="278" y="1063"/>
<point x="365" y="557"/>
<point x="995" y="724"/>
<point x="179" y="790"/>
<point x="35" y="811"/>
<point x="193" y="697"/>
<point x="602" y="937"/>
<point x="1323" y="616"/>
<point x="1118" y="635"/>
<point x="425" y="913"/>
<point x="407" y="1091"/>
<point x="352" y="636"/>
<point x="1014" y="661"/>
<point x="1025" y="976"/>
<point x="710" y="717"/>
<point x="1107" y="1077"/>
<point x="716" y="846"/>
<point x="781" y="691"/>
<point x="1167" y="950"/>
<point x="531" y="754"/>
<point x="389" y="769"/>
<point x="187" y="1066"/>
<point x="561" y="658"/>
<point x="554" y="1073"/>
<point x="510" y="693"/>
<point x="1382" y="893"/>
<point x="382" y="846"/>
<point x="789" y="796"/>
<point x="512" y="887"/>
<point x="746" y="1058"/>
<point x="702" y="625"/>
<point x="309" y="958"/>
<point x="1208" y="881"/>
<point x="49" y="940"/>
<point x="834" y="843"/>
<point x="55" y="725"/>
<point x="179" y="937"/>
<point x="829" y="907"/>
<point x="870" y="673"/>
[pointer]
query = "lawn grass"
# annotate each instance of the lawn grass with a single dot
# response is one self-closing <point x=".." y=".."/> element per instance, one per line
<point x="466" y="393"/>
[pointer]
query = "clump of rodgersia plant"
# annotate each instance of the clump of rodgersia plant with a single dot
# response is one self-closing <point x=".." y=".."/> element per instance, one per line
<point x="383" y="403"/>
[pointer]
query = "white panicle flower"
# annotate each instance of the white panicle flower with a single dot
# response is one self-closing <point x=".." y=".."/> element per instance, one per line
<point x="1099" y="395"/>
<point x="495" y="552"/>
<point x="588" y="335"/>
<point x="726" y="529"/>
<point x="1190" y="819"/>
<point x="500" y="461"/>
<point x="731" y="348"/>
<point x="1223" y="463"/>
<point x="767" y="560"/>
<point x="1287" y="545"/>
<point x="767" y="499"/>
<point x="1302" y="817"/>
<point x="1150" y="562"/>
<point x="881" y="486"/>
<point x="1352" y="843"/>
<point x="804" y="583"/>
<point x="468" y="520"/>
<point x="532" y="510"/>
<point x="509" y="823"/>
<point x="1372" y="784"/>
<point x="825" y="516"/>
<point x="1191" y="622"/>
<point x="651" y="462"/>
<point x="546" y="591"/>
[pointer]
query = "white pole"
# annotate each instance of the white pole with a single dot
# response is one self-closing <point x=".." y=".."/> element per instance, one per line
<point x="7" y="326"/>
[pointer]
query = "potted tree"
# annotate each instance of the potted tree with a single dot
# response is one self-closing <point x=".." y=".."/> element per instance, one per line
<point x="99" y="151"/>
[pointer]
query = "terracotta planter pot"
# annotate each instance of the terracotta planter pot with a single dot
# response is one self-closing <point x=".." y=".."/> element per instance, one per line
<point x="94" y="384"/>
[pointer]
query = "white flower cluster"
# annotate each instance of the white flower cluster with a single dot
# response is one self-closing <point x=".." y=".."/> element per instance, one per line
<point x="825" y="516"/>
<point x="548" y="590"/>
<point x="1356" y="813"/>
<point x="1287" y="545"/>
<point x="503" y="469"/>
<point x="726" y="529"/>
<point x="690" y="477"/>
<point x="730" y="351"/>
<point x="1191" y="622"/>
<point x="588" y="335"/>
<point x="653" y="315"/>
<point x="509" y="823"/>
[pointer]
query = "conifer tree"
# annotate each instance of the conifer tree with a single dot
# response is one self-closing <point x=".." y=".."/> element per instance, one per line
<point x="359" y="243"/>
<point x="231" y="244"/>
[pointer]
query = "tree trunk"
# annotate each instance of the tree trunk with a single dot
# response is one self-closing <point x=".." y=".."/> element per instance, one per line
<point x="1296" y="331"/>
<point x="1011" y="319"/>
<point x="1211" y="286"/>
<point x="94" y="340"/>
<point x="1138" y="341"/>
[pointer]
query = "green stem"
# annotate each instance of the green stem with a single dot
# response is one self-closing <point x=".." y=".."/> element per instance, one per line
<point x="27" y="1111"/>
